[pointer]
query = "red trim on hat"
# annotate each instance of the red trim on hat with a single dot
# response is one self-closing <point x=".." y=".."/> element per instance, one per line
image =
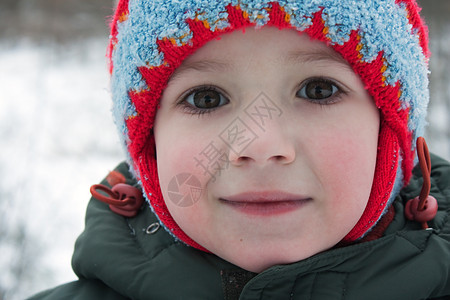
<point x="141" y="124"/>
<point x="236" y="17"/>
<point x="317" y="30"/>
<point x="278" y="17"/>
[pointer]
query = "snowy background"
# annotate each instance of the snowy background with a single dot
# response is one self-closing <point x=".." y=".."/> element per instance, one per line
<point x="57" y="137"/>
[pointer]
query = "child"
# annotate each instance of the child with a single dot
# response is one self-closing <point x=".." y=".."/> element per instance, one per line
<point x="275" y="143"/>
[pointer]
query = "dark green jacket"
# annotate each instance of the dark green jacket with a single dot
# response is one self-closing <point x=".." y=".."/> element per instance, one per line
<point x="116" y="258"/>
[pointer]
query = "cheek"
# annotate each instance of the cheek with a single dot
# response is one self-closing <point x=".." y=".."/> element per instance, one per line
<point x="345" y="161"/>
<point x="185" y="144"/>
<point x="351" y="162"/>
<point x="178" y="176"/>
<point x="184" y="184"/>
<point x="181" y="171"/>
<point x="176" y="156"/>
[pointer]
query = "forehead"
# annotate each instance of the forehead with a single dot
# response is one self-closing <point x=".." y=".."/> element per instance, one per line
<point x="266" y="45"/>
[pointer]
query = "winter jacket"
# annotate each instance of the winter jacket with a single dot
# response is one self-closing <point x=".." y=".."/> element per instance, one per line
<point x="121" y="258"/>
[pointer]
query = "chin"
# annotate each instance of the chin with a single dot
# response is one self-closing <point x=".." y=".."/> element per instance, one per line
<point x="264" y="262"/>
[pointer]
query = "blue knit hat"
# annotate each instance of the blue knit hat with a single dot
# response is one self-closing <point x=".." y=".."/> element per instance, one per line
<point x="384" y="41"/>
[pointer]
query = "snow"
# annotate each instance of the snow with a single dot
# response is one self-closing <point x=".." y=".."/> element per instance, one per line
<point x="57" y="139"/>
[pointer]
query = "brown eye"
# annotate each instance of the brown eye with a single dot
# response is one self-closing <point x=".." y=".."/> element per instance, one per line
<point x="317" y="90"/>
<point x="206" y="99"/>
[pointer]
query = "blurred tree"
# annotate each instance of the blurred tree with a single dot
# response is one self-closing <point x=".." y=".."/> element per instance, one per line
<point x="22" y="253"/>
<point x="51" y="23"/>
<point x="54" y="19"/>
<point x="436" y="14"/>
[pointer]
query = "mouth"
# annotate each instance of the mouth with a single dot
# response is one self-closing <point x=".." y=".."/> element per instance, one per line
<point x="269" y="203"/>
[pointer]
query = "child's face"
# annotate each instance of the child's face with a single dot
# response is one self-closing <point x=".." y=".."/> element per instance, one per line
<point x="283" y="175"/>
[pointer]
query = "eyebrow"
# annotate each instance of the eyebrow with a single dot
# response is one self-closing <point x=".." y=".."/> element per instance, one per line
<point x="315" y="55"/>
<point x="211" y="66"/>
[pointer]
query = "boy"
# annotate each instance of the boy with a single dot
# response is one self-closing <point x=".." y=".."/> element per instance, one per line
<point x="274" y="142"/>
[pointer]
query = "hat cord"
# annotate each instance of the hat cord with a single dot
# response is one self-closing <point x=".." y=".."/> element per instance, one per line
<point x="424" y="207"/>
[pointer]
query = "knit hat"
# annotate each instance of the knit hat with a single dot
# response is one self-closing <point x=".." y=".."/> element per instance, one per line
<point x="384" y="41"/>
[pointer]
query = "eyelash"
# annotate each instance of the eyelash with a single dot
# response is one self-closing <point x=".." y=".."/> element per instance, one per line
<point x="332" y="99"/>
<point x="189" y="109"/>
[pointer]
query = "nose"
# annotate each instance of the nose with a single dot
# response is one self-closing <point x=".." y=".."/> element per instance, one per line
<point x="260" y="145"/>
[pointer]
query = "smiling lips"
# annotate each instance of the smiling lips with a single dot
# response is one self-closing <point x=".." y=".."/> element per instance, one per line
<point x="265" y="203"/>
